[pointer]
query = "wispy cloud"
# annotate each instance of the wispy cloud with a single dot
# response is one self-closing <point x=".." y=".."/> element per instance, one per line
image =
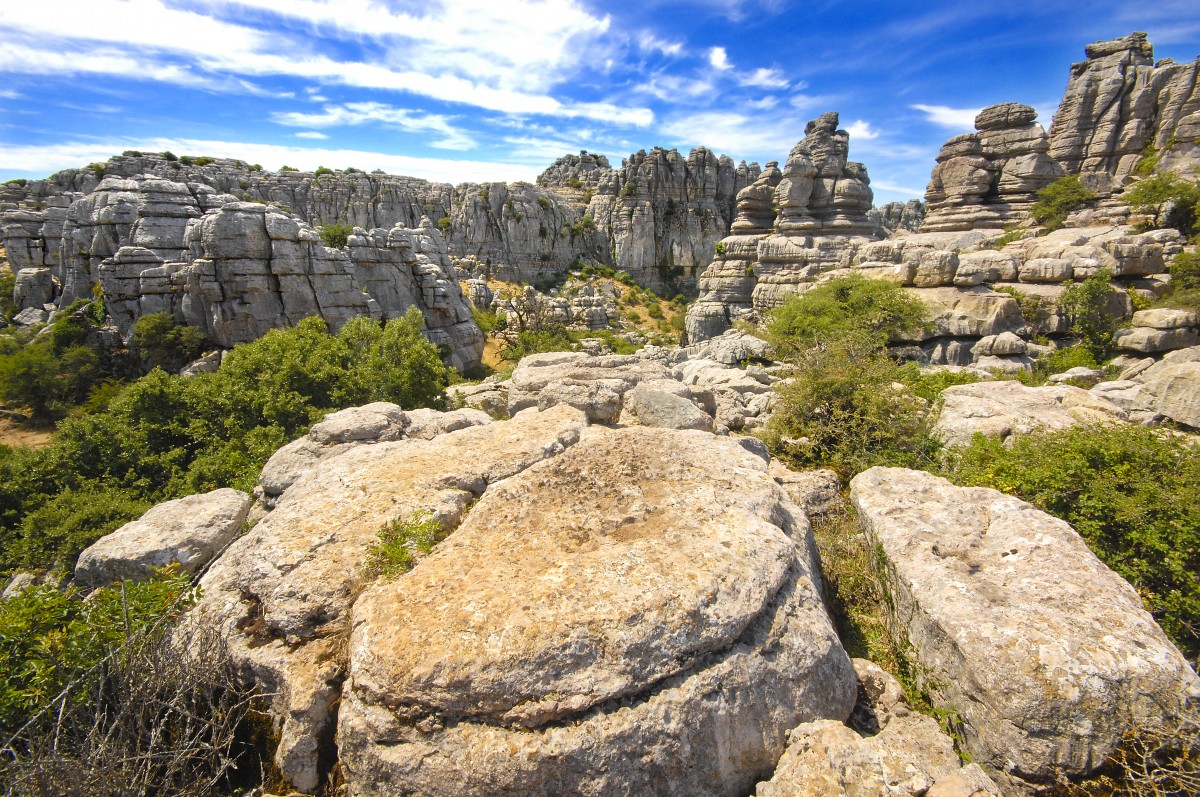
<point x="358" y="113"/>
<point x="764" y="78"/>
<point x="313" y="134"/>
<point x="735" y="134"/>
<point x="958" y="118"/>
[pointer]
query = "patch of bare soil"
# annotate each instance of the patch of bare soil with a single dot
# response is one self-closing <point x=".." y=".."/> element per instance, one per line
<point x="14" y="432"/>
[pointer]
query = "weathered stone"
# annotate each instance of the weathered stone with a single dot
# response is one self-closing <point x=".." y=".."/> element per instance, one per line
<point x="375" y="422"/>
<point x="1152" y="341"/>
<point x="1004" y="408"/>
<point x="657" y="404"/>
<point x="570" y="635"/>
<point x="817" y="492"/>
<point x="1165" y="318"/>
<point x="1174" y="391"/>
<point x="187" y="531"/>
<point x="284" y="591"/>
<point x="1046" y="656"/>
<point x="900" y="752"/>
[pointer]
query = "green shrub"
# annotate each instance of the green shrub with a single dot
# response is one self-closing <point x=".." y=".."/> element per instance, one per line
<point x="335" y="235"/>
<point x="444" y="224"/>
<point x="162" y="343"/>
<point x="288" y="169"/>
<point x="1087" y="306"/>
<point x="1058" y="200"/>
<point x="1167" y="199"/>
<point x="1130" y="492"/>
<point x="929" y="385"/>
<point x="322" y="170"/>
<point x="846" y="306"/>
<point x="719" y="248"/>
<point x="401" y="542"/>
<point x="48" y="637"/>
<point x="842" y="411"/>
<point x="57" y="532"/>
<point x="169" y="156"/>
<point x="529" y="342"/>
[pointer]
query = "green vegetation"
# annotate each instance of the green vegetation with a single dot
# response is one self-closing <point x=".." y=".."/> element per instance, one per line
<point x="1058" y="200"/>
<point x="1168" y="200"/>
<point x="719" y="248"/>
<point x="847" y="306"/>
<point x="288" y="169"/>
<point x="53" y="372"/>
<point x="335" y="235"/>
<point x="1087" y="306"/>
<point x="164" y="436"/>
<point x="162" y="343"/>
<point x="845" y="408"/>
<point x="444" y="224"/>
<point x="1185" y="281"/>
<point x="1130" y="492"/>
<point x="322" y="170"/>
<point x="169" y="156"/>
<point x="401" y="542"/>
<point x="544" y="203"/>
<point x="105" y="696"/>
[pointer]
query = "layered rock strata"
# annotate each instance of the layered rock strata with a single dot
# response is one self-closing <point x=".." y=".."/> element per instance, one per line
<point x="240" y="269"/>
<point x="818" y="215"/>
<point x="987" y="179"/>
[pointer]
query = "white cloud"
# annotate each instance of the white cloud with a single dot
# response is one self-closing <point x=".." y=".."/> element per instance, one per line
<point x="811" y="102"/>
<point x="957" y="118"/>
<point x="357" y="113"/>
<point x="735" y="134"/>
<point x="719" y="59"/>
<point x="887" y="185"/>
<point x="651" y="43"/>
<point x="861" y="131"/>
<point x="44" y="159"/>
<point x="765" y="79"/>
<point x="312" y="134"/>
<point x="9" y="94"/>
<point x="503" y="55"/>
<point x="764" y="104"/>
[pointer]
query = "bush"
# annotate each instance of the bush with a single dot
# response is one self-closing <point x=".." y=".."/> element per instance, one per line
<point x="1058" y="200"/>
<point x="162" y="343"/>
<point x="1130" y="492"/>
<point x="288" y="169"/>
<point x="336" y="235"/>
<point x="842" y="410"/>
<point x="103" y="696"/>
<point x="56" y="533"/>
<point x="444" y="224"/>
<point x="322" y="170"/>
<point x="1167" y="199"/>
<point x="847" y="306"/>
<point x="1087" y="306"/>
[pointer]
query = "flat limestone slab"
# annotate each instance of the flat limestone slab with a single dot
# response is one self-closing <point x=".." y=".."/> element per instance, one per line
<point x="1045" y="654"/>
<point x="637" y="615"/>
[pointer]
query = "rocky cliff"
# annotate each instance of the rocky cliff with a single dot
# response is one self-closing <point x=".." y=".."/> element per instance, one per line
<point x="791" y="224"/>
<point x="1117" y="104"/>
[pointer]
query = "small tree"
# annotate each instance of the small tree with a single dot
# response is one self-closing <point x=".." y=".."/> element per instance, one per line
<point x="1057" y="200"/>
<point x="1087" y="306"/>
<point x="1167" y="199"/>
<point x="336" y="235"/>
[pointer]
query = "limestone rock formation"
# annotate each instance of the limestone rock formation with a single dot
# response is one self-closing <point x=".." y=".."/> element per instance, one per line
<point x="987" y="179"/>
<point x="582" y="172"/>
<point x="188" y="532"/>
<point x="1116" y="103"/>
<point x="285" y="590"/>
<point x="238" y="269"/>
<point x="756" y="209"/>
<point x="1045" y="654"/>
<point x="661" y="214"/>
<point x="598" y="625"/>
<point x="900" y="217"/>
<point x="820" y="207"/>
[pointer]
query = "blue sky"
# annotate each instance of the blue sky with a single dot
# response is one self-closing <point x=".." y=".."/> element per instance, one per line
<point x="457" y="90"/>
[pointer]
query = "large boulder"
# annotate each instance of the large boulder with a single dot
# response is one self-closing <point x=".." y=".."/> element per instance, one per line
<point x="283" y="592"/>
<point x="638" y="615"/>
<point x="1003" y="408"/>
<point x="1045" y="655"/>
<point x="1174" y="391"/>
<point x="187" y="531"/>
